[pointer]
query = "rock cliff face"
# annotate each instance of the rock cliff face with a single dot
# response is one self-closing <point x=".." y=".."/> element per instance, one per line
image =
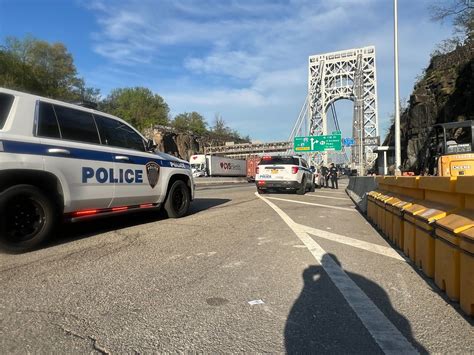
<point x="176" y="143"/>
<point x="444" y="94"/>
<point x="182" y="144"/>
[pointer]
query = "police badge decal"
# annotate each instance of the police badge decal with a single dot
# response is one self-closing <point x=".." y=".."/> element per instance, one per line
<point x="153" y="173"/>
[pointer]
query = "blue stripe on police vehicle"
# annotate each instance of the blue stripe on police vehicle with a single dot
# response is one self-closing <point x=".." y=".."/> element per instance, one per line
<point x="85" y="154"/>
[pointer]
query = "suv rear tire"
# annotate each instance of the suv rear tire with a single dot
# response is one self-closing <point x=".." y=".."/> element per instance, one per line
<point x="29" y="219"/>
<point x="302" y="188"/>
<point x="178" y="200"/>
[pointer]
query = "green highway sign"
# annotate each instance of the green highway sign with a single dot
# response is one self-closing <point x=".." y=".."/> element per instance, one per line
<point x="330" y="142"/>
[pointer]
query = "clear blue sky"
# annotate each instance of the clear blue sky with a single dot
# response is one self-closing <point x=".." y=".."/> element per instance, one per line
<point x="246" y="60"/>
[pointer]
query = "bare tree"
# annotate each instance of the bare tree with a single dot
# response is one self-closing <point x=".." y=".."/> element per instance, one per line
<point x="444" y="9"/>
<point x="460" y="11"/>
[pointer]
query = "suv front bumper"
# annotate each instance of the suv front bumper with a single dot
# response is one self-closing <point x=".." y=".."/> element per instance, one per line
<point x="270" y="184"/>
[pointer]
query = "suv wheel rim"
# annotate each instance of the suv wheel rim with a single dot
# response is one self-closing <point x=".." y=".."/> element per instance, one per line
<point x="179" y="199"/>
<point x="25" y="218"/>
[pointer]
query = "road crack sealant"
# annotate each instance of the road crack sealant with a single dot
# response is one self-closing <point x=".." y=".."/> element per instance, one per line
<point x="94" y="342"/>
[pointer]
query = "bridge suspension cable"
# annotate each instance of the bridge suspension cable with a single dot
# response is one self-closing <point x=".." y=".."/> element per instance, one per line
<point x="301" y="127"/>
<point x="301" y="123"/>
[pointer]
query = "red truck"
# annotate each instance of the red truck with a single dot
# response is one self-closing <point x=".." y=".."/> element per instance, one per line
<point x="252" y="163"/>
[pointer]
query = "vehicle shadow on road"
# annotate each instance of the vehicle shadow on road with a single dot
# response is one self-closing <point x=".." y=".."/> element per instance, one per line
<point x="203" y="204"/>
<point x="70" y="232"/>
<point x="321" y="320"/>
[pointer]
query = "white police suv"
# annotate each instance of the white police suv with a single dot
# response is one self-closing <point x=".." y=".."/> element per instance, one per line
<point x="60" y="161"/>
<point x="284" y="173"/>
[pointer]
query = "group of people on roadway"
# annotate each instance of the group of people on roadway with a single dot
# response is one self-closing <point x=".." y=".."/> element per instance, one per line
<point x="326" y="174"/>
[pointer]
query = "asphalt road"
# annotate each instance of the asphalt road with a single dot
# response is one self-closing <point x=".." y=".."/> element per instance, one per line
<point x="321" y="278"/>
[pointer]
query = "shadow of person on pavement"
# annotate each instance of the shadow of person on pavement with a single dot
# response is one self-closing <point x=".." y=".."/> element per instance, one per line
<point x="321" y="320"/>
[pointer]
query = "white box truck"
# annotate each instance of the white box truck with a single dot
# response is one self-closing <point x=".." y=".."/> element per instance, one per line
<point x="211" y="165"/>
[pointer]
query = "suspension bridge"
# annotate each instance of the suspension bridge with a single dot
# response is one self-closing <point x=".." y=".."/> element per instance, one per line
<point x="343" y="75"/>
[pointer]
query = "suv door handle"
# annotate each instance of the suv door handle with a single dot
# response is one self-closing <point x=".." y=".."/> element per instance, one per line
<point x="59" y="151"/>
<point x="122" y="157"/>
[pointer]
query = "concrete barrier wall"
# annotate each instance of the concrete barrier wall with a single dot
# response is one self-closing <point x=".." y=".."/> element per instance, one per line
<point x="204" y="181"/>
<point x="358" y="188"/>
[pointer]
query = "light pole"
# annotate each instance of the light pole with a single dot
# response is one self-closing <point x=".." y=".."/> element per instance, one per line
<point x="398" y="155"/>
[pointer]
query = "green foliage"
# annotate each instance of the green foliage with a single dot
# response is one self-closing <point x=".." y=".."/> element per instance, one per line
<point x="219" y="128"/>
<point x="42" y="68"/>
<point x="88" y="93"/>
<point x="221" y="132"/>
<point x="137" y="105"/>
<point x="218" y="133"/>
<point x="192" y="121"/>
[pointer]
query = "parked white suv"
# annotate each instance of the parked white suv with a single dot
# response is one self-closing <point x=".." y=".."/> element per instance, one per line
<point x="284" y="173"/>
<point x="60" y="161"/>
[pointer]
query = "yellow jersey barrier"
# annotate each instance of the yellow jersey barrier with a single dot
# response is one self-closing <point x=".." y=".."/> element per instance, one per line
<point x="466" y="272"/>
<point x="432" y="220"/>
<point x="371" y="208"/>
<point x="385" y="194"/>
<point x="455" y="250"/>
<point x="409" y="193"/>
<point x="440" y="201"/>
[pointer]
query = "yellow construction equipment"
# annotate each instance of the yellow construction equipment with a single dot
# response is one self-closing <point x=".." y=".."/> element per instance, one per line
<point x="451" y="149"/>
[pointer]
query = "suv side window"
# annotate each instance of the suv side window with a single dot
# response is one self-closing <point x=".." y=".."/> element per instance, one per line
<point x="47" y="123"/>
<point x="76" y="125"/>
<point x="118" y="134"/>
<point x="303" y="162"/>
<point x="6" y="102"/>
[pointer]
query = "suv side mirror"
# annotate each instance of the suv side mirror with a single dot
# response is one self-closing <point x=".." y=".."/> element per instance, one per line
<point x="312" y="168"/>
<point x="150" y="145"/>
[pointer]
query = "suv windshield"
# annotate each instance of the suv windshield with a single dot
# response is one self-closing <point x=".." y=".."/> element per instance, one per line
<point x="279" y="161"/>
<point x="197" y="166"/>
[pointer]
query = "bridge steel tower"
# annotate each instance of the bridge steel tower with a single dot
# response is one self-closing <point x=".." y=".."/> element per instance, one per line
<point x="348" y="74"/>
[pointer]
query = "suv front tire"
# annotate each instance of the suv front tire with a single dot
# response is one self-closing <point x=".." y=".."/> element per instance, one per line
<point x="28" y="220"/>
<point x="178" y="200"/>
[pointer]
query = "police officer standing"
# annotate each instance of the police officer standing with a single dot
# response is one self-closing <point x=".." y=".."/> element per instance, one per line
<point x="333" y="176"/>
<point x="325" y="175"/>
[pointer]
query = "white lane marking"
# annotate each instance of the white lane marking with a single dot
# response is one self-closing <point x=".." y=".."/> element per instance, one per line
<point x="352" y="209"/>
<point x="335" y="198"/>
<point x="255" y="302"/>
<point x="356" y="243"/>
<point x="385" y="334"/>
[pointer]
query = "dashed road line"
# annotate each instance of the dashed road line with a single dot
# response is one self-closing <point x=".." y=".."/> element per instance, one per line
<point x="385" y="334"/>
<point x="352" y="209"/>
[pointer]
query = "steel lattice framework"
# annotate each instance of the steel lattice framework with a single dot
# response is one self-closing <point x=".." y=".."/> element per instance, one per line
<point x="348" y="74"/>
